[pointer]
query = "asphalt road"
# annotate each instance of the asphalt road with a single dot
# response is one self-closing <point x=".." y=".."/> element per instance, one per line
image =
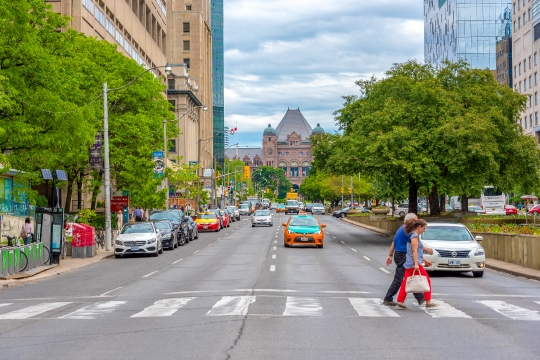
<point x="239" y="294"/>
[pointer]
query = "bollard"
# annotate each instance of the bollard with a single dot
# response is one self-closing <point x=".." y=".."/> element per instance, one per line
<point x="26" y="250"/>
<point x="16" y="259"/>
<point x="35" y="251"/>
<point x="4" y="261"/>
<point x="40" y="253"/>
<point x="11" y="261"/>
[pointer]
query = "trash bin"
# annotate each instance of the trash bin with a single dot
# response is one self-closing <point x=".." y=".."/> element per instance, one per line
<point x="78" y="242"/>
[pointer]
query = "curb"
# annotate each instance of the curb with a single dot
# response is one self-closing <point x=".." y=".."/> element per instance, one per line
<point x="513" y="272"/>
<point x="28" y="274"/>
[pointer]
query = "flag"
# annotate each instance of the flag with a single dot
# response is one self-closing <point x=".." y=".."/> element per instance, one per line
<point x="234" y="130"/>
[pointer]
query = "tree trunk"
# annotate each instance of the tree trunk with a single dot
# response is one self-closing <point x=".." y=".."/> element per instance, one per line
<point x="79" y="190"/>
<point x="442" y="202"/>
<point x="95" y="191"/>
<point x="69" y="193"/>
<point x="434" y="208"/>
<point x="413" y="196"/>
<point x="464" y="203"/>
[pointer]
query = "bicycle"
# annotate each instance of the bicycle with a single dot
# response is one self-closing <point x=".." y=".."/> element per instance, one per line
<point x="23" y="259"/>
<point x="99" y="239"/>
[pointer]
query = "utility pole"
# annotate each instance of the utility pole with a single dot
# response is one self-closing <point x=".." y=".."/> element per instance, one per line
<point x="165" y="180"/>
<point x="352" y="192"/>
<point x="107" y="170"/>
<point x="342" y="197"/>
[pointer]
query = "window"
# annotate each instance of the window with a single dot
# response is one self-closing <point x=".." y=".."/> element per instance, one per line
<point x="530" y="101"/>
<point x="171" y="84"/>
<point x="524" y="19"/>
<point x="535" y="58"/>
<point x="110" y="27"/>
<point x="519" y="23"/>
<point x="186" y="46"/>
<point x="535" y="119"/>
<point x="120" y="38"/>
<point x="519" y="68"/>
<point x="286" y="153"/>
<point x="524" y="85"/>
<point x="525" y="65"/>
<point x="530" y="120"/>
<point x="514" y="8"/>
<point x="186" y="28"/>
<point x="186" y="61"/>
<point x="99" y="16"/>
<point x="301" y="153"/>
<point x="520" y="86"/>
<point x="530" y="63"/>
<point x="530" y="81"/>
<point x="294" y="168"/>
<point x="173" y="104"/>
<point x="525" y="121"/>
<point x="535" y="98"/>
<point x="515" y="29"/>
<point x="279" y="153"/>
<point x="188" y="7"/>
<point x="308" y="153"/>
<point x="515" y="72"/>
<point x="173" y="146"/>
<point x="521" y="123"/>
<point x="535" y="78"/>
<point x="89" y="5"/>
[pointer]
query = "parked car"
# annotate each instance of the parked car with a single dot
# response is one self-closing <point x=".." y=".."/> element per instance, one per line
<point x="303" y="230"/>
<point x="317" y="208"/>
<point x="235" y="212"/>
<point x="193" y="229"/>
<point x="511" y="210"/>
<point x="219" y="217"/>
<point x="138" y="238"/>
<point x="177" y="218"/>
<point x="226" y="218"/>
<point x="168" y="235"/>
<point x="208" y="221"/>
<point x="261" y="217"/>
<point x="341" y="213"/>
<point x="454" y="249"/>
<point x="244" y="209"/>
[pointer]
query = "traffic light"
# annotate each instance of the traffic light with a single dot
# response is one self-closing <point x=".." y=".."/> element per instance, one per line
<point x="350" y="191"/>
<point x="224" y="192"/>
<point x="228" y="188"/>
<point x="247" y="172"/>
<point x="342" y="191"/>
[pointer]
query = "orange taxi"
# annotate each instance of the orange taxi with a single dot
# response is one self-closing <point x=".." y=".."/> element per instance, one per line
<point x="280" y="208"/>
<point x="303" y="230"/>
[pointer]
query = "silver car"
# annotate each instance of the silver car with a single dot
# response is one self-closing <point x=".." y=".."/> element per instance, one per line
<point x="235" y="212"/>
<point x="317" y="208"/>
<point x="138" y="238"/>
<point x="261" y="217"/>
<point x="244" y="209"/>
<point x="454" y="249"/>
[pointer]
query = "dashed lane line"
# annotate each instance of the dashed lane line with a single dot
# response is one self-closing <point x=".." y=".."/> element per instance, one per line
<point x="343" y="242"/>
<point x="274" y="256"/>
<point x="152" y="273"/>
<point x="177" y="261"/>
<point x="354" y="250"/>
<point x="384" y="270"/>
<point x="275" y="248"/>
<point x="272" y="267"/>
<point x="368" y="259"/>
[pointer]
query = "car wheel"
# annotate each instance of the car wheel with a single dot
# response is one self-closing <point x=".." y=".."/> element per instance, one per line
<point x="117" y="256"/>
<point x="172" y="246"/>
<point x="401" y="214"/>
<point x="156" y="254"/>
<point x="182" y="241"/>
<point x="320" y="246"/>
<point x="286" y="245"/>
<point x="478" y="273"/>
<point x="342" y="215"/>
<point x="252" y="225"/>
<point x="271" y="224"/>
<point x="161" y="249"/>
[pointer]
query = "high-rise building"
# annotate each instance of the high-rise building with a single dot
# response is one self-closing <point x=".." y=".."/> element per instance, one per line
<point x="218" y="80"/>
<point x="464" y="29"/>
<point x="525" y="53"/>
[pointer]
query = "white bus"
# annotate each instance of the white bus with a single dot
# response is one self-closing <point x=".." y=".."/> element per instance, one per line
<point x="493" y="201"/>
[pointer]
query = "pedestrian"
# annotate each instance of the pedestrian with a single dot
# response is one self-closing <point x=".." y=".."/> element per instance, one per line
<point x="398" y="250"/>
<point x="26" y="231"/>
<point x="520" y="206"/>
<point x="413" y="262"/>
<point x="138" y="214"/>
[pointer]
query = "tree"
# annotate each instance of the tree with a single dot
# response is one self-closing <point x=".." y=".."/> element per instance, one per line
<point x="273" y="179"/>
<point x="445" y="130"/>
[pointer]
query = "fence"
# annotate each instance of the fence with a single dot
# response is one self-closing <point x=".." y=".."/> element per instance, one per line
<point x="10" y="207"/>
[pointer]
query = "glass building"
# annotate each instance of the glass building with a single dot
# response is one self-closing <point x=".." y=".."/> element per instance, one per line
<point x="218" y="80"/>
<point x="465" y="29"/>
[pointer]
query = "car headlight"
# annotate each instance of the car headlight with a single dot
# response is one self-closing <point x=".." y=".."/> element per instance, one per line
<point x="151" y="241"/>
<point x="479" y="251"/>
<point x="118" y="242"/>
<point x="317" y="232"/>
<point x="166" y="237"/>
<point x="290" y="232"/>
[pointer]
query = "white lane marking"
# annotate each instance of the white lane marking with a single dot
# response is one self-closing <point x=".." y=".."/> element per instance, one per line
<point x="93" y="311"/>
<point x="302" y="306"/>
<point x="231" y="305"/>
<point x="344" y="292"/>
<point x="343" y="242"/>
<point x="275" y="248"/>
<point x="5" y="304"/>
<point x="444" y="310"/>
<point x="511" y="311"/>
<point x="33" y="310"/>
<point x="275" y="241"/>
<point x="274" y="256"/>
<point x="165" y="307"/>
<point x="384" y="270"/>
<point x="197" y="251"/>
<point x="209" y="244"/>
<point x="365" y="257"/>
<point x="538" y="302"/>
<point x="177" y="261"/>
<point x="371" y="308"/>
<point x="334" y="237"/>
<point x="354" y="250"/>
<point x="110" y="291"/>
<point x="272" y="267"/>
<point x="152" y="273"/>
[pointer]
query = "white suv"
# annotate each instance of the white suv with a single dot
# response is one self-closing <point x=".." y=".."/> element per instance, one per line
<point x="291" y="206"/>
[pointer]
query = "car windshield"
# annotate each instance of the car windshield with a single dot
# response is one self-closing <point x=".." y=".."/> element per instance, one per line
<point x="262" y="213"/>
<point x="291" y="203"/>
<point x="447" y="233"/>
<point x="318" y="205"/>
<point x="303" y="221"/>
<point x="138" y="229"/>
<point x="231" y="208"/>
<point x="207" y="216"/>
<point x="474" y="208"/>
<point x="223" y="212"/>
<point x="244" y="206"/>
<point x="162" y="225"/>
<point x="166" y="215"/>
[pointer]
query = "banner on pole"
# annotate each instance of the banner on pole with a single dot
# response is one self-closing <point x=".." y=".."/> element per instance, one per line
<point x="159" y="166"/>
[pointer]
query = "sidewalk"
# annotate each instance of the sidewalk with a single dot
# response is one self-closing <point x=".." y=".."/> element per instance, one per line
<point x="66" y="265"/>
<point x="492" y="264"/>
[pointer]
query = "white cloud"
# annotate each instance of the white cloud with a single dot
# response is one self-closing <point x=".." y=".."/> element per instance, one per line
<point x="309" y="53"/>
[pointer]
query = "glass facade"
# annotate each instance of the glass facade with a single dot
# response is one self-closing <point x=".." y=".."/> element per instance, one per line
<point x="218" y="80"/>
<point x="465" y="29"/>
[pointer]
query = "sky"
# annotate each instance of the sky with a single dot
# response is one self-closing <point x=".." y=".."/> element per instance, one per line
<point x="307" y="54"/>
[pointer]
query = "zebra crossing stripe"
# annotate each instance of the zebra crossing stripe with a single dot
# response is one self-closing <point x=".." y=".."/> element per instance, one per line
<point x="231" y="305"/>
<point x="371" y="308"/>
<point x="93" y="311"/>
<point x="511" y="311"/>
<point x="33" y="310"/>
<point x="165" y="307"/>
<point x="302" y="306"/>
<point x="444" y="310"/>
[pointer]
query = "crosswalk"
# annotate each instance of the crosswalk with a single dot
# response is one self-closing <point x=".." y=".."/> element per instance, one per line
<point x="286" y="306"/>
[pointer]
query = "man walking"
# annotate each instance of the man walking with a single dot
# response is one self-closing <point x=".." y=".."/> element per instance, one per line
<point x="398" y="250"/>
<point x="138" y="215"/>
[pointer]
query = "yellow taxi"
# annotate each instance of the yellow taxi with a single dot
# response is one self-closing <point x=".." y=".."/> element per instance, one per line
<point x="208" y="221"/>
<point x="303" y="230"/>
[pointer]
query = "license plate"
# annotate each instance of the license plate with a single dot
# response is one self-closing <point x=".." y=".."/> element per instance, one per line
<point x="493" y="209"/>
<point x="206" y="227"/>
<point x="454" y="262"/>
<point x="134" y="248"/>
<point x="304" y="238"/>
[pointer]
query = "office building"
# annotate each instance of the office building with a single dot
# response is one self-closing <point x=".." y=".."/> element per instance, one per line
<point x="464" y="29"/>
<point x="218" y="81"/>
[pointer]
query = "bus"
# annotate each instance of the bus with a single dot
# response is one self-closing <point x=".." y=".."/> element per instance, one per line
<point x="493" y="201"/>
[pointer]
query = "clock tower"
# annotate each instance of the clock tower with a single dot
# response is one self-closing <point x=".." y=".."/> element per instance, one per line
<point x="269" y="152"/>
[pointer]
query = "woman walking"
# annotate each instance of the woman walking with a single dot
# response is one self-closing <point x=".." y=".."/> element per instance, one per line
<point x="413" y="262"/>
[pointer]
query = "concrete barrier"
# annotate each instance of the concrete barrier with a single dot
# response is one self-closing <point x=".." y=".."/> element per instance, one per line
<point x="523" y="250"/>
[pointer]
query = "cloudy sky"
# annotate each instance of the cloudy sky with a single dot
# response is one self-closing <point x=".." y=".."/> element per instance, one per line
<point x="307" y="54"/>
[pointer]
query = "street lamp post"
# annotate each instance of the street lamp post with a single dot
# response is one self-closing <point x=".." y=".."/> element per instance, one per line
<point x="106" y="161"/>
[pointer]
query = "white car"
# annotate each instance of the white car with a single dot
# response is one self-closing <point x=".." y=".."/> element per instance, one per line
<point x="454" y="249"/>
<point x="138" y="238"/>
<point x="301" y="206"/>
<point x="317" y="208"/>
<point x="261" y="217"/>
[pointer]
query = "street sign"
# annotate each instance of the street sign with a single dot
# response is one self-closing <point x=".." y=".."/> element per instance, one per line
<point x="125" y="192"/>
<point x="118" y="202"/>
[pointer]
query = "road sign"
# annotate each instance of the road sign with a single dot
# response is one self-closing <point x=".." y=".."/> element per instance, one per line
<point x="118" y="202"/>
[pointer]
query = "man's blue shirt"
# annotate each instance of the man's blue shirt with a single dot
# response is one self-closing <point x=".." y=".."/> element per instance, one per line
<point x="400" y="240"/>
